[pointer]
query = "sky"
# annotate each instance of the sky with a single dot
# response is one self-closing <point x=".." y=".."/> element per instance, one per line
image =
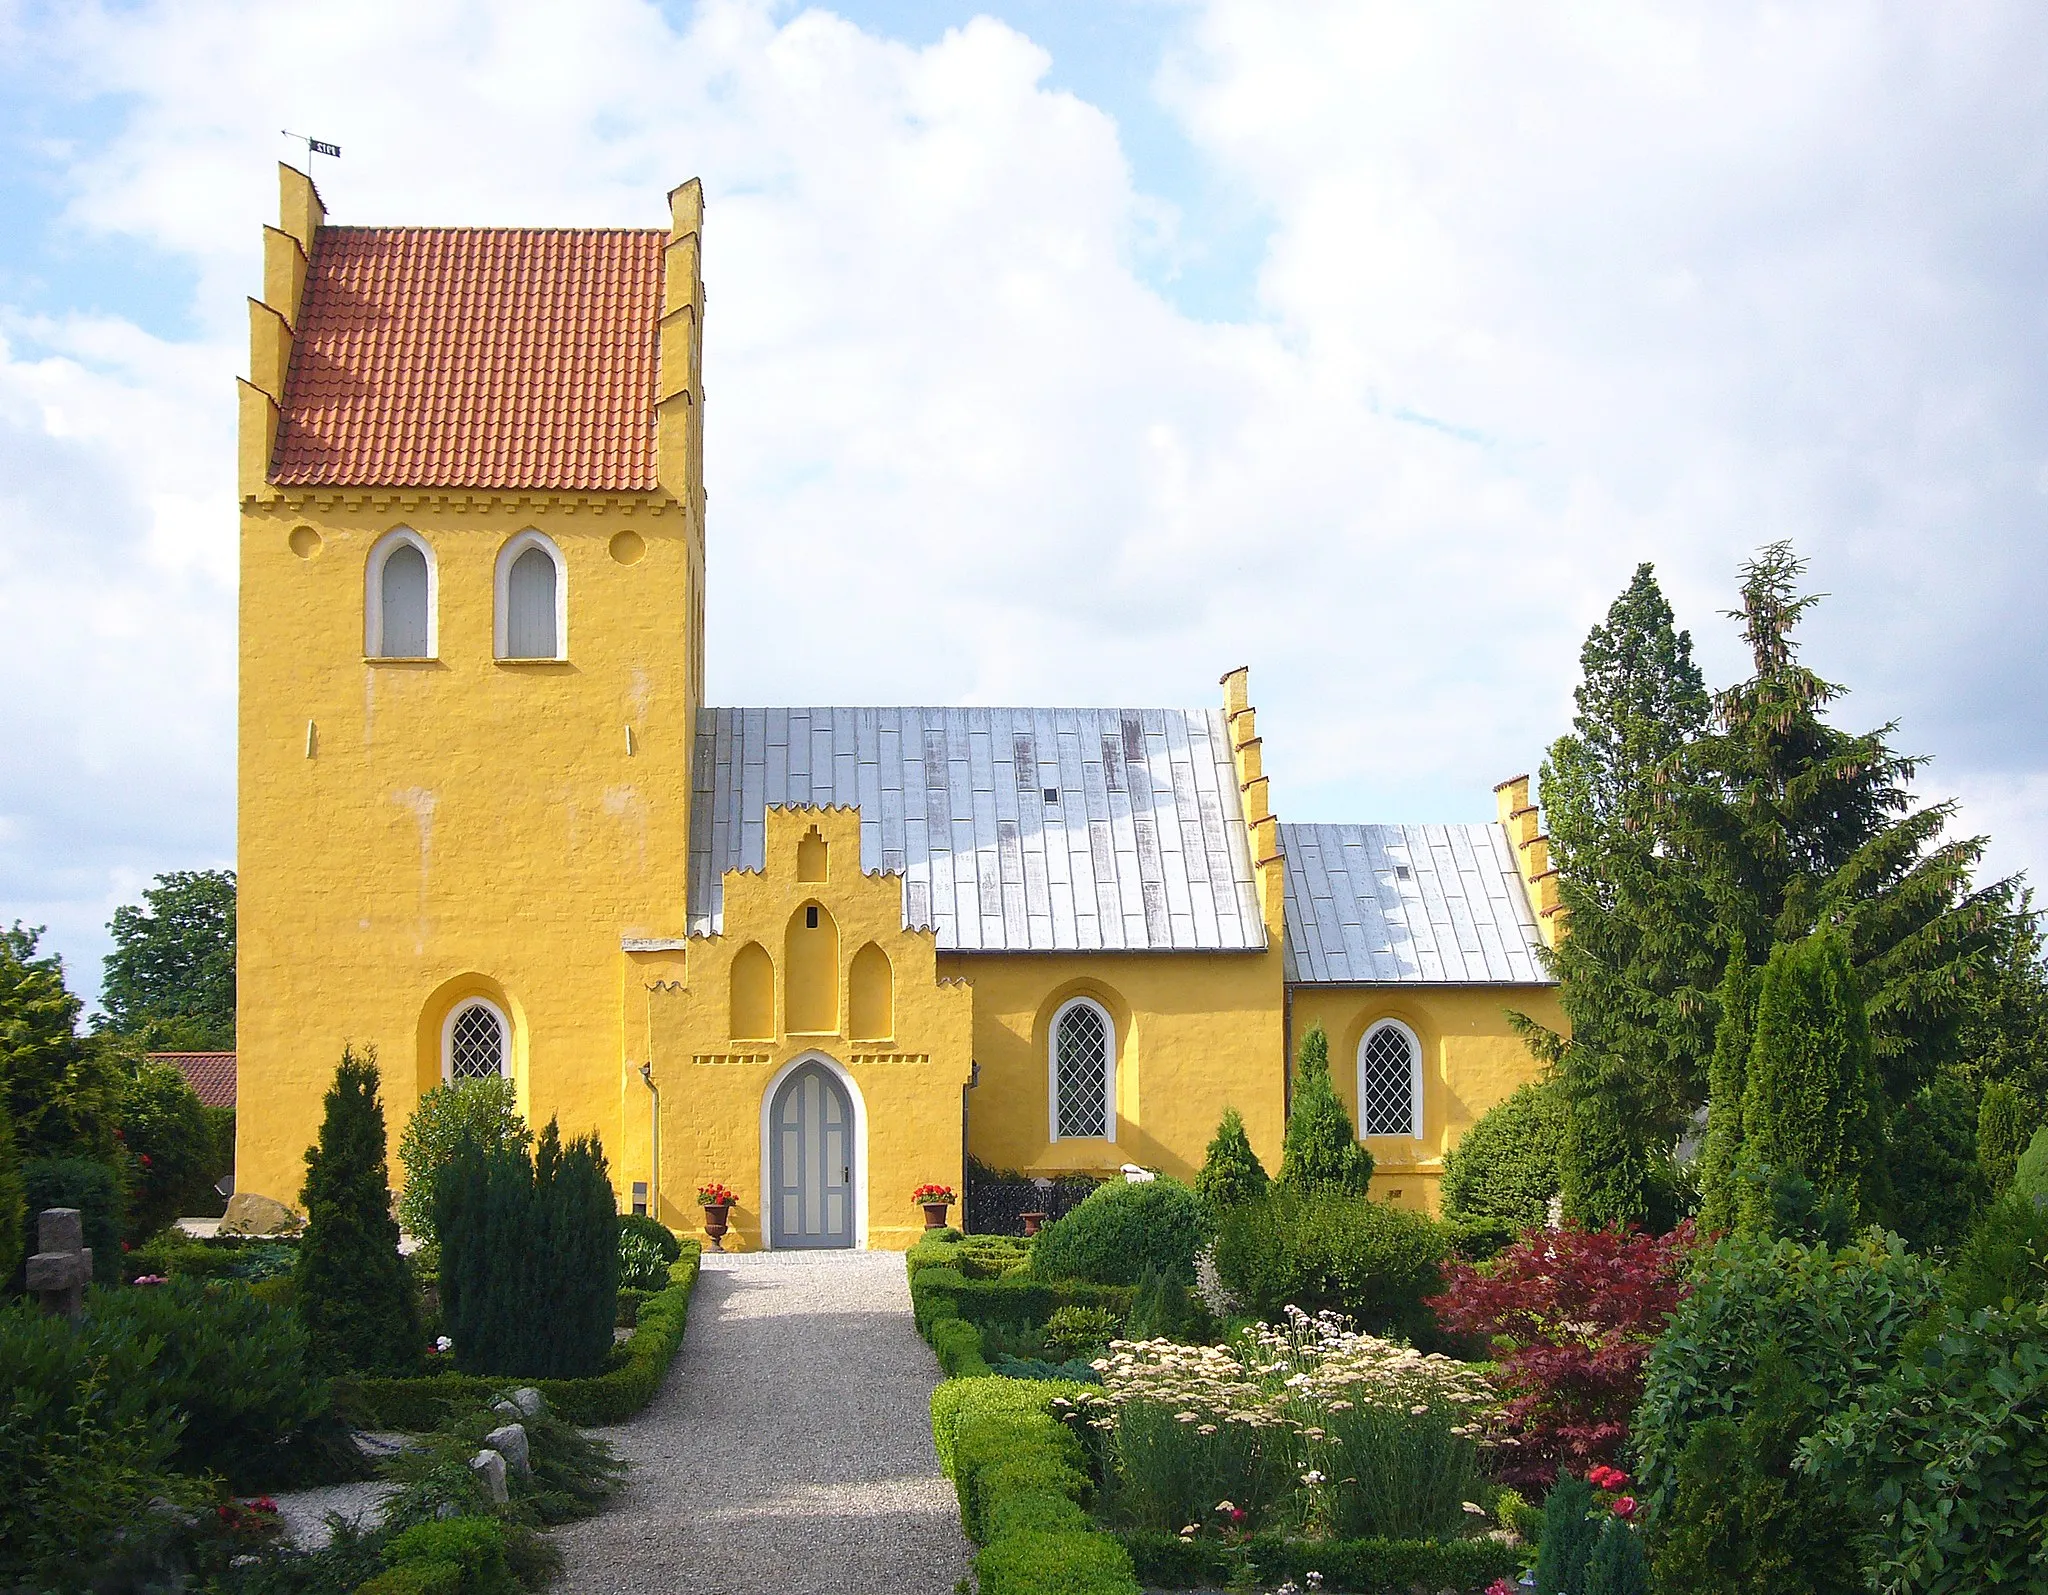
<point x="1079" y="354"/>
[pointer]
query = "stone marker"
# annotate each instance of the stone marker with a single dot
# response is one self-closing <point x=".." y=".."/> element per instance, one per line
<point x="489" y="1466"/>
<point x="510" y="1443"/>
<point x="62" y="1265"/>
<point x="250" y="1214"/>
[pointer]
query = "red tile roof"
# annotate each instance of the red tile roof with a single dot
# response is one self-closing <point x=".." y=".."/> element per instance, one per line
<point x="479" y="357"/>
<point x="211" y="1074"/>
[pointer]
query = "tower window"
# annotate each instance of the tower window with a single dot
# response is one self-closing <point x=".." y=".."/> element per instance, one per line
<point x="811" y="918"/>
<point x="1083" y="1072"/>
<point x="531" y="608"/>
<point x="476" y="1042"/>
<point x="398" y="603"/>
<point x="1390" y="1081"/>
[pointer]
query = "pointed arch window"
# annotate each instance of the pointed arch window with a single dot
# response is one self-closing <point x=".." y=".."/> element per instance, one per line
<point x="476" y="1042"/>
<point x="1390" y="1080"/>
<point x="399" y="598"/>
<point x="532" y="599"/>
<point x="1082" y="1072"/>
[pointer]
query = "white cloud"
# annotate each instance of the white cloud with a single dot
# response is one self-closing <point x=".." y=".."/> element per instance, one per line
<point x="1546" y="293"/>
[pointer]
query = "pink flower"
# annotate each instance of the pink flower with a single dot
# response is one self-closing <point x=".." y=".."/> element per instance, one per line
<point x="1624" y="1506"/>
<point x="1501" y="1586"/>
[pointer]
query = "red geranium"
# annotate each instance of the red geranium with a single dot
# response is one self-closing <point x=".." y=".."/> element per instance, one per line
<point x="1572" y="1314"/>
<point x="933" y="1193"/>
<point x="713" y="1194"/>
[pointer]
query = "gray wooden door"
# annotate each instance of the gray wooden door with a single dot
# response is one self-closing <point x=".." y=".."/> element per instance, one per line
<point x="812" y="1161"/>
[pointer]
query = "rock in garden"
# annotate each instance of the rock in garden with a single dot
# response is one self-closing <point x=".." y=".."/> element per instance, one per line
<point x="489" y="1467"/>
<point x="530" y="1402"/>
<point x="250" y="1214"/>
<point x="510" y="1443"/>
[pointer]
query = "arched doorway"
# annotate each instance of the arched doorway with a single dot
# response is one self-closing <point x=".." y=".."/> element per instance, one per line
<point x="811" y="1157"/>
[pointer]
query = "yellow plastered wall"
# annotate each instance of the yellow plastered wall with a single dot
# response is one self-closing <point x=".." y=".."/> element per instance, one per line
<point x="412" y="833"/>
<point x="1195" y="1033"/>
<point x="715" y="1083"/>
<point x="1471" y="1060"/>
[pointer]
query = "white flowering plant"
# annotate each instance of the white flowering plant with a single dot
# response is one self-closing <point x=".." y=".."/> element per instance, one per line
<point x="1306" y="1426"/>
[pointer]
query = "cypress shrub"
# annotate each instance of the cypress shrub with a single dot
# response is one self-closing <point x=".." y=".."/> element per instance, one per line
<point x="351" y="1287"/>
<point x="529" y="1257"/>
<point x="1617" y="1565"/>
<point x="13" y="1198"/>
<point x="1112" y="1238"/>
<point x="1506" y="1167"/>
<point x="2001" y="1135"/>
<point x="2030" y="1173"/>
<point x="1727" y="1079"/>
<point x="1232" y="1174"/>
<point x="1934" y="1188"/>
<point x="1321" y="1151"/>
<point x="2004" y="1259"/>
<point x="1568" y="1537"/>
<point x="1610" y="1175"/>
<point x="88" y="1185"/>
<point x="1808" y="1109"/>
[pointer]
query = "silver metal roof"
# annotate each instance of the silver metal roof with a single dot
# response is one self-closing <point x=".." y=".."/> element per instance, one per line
<point x="1368" y="904"/>
<point x="1142" y="845"/>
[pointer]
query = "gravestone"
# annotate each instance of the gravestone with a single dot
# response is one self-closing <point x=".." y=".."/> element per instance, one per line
<point x="62" y="1265"/>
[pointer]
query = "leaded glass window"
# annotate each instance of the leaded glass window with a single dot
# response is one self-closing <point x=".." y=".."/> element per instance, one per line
<point x="476" y="1044"/>
<point x="1083" y="1067"/>
<point x="1386" y="1081"/>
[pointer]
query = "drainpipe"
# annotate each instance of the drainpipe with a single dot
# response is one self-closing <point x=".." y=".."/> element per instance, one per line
<point x="973" y="1080"/>
<point x="1287" y="1054"/>
<point x="653" y="1140"/>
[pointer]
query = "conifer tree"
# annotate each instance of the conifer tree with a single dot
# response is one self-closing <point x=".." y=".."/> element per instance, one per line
<point x="2002" y="1134"/>
<point x="1231" y="1174"/>
<point x="1727" y="1081"/>
<point x="1810" y="1109"/>
<point x="1321" y="1153"/>
<point x="60" y="1086"/>
<point x="351" y="1288"/>
<point x="13" y="1199"/>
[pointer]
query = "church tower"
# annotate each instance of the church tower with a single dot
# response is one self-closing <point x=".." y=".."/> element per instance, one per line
<point x="471" y="659"/>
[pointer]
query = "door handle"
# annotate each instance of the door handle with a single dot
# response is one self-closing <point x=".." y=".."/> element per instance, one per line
<point x="846" y="1175"/>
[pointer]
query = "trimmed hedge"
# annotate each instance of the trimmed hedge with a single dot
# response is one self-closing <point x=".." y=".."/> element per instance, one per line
<point x="958" y="1346"/>
<point x="1021" y="1479"/>
<point x="939" y="1291"/>
<point x="416" y="1405"/>
<point x="1366" y="1567"/>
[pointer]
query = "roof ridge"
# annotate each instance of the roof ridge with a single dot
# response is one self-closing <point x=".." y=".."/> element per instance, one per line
<point x="457" y="227"/>
<point x="968" y="708"/>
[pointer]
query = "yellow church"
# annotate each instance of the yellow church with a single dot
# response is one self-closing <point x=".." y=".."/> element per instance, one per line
<point x="489" y="826"/>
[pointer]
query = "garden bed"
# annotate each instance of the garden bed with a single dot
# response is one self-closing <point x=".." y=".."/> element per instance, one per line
<point x="610" y="1397"/>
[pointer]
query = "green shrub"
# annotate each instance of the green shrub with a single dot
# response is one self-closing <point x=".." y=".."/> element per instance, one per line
<point x="1081" y="1331"/>
<point x="13" y="1199"/>
<point x="938" y="1291"/>
<point x="1231" y="1174"/>
<point x="170" y="1145"/>
<point x="1727" y="1083"/>
<point x="1935" y="1188"/>
<point x="2030" y="1173"/>
<point x="1120" y="1231"/>
<point x="1810" y="1105"/>
<point x="416" y="1578"/>
<point x="1070" y="1563"/>
<point x="88" y="1185"/>
<point x="992" y="1256"/>
<point x="1165" y="1309"/>
<point x="665" y="1239"/>
<point x="1320" y="1152"/>
<point x="1617" y="1566"/>
<point x="957" y="1344"/>
<point x="1948" y="1459"/>
<point x="2001" y="1135"/>
<point x="570" y="1474"/>
<point x="611" y="1397"/>
<point x="479" y="1113"/>
<point x="529" y="1258"/>
<point x="1505" y="1167"/>
<point x="1836" y="1318"/>
<point x="84" y="1450"/>
<point x="2004" y="1259"/>
<point x="1371" y="1261"/>
<point x="641" y="1266"/>
<point x="240" y="1373"/>
<point x="474" y="1546"/>
<point x="352" y="1289"/>
<point x="1380" y="1567"/>
<point x="1569" y="1531"/>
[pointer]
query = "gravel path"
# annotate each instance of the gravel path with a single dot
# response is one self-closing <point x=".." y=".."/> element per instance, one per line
<point x="789" y="1451"/>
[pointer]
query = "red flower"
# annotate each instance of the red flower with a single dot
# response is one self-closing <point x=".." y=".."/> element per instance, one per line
<point x="1606" y="1478"/>
<point x="143" y="1159"/>
<point x="1624" y="1506"/>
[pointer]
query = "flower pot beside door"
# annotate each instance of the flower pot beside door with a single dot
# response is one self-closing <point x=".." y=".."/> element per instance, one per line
<point x="717" y="1201"/>
<point x="934" y="1199"/>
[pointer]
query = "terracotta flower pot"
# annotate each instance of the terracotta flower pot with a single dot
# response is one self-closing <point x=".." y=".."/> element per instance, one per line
<point x="935" y="1215"/>
<point x="1032" y="1224"/>
<point x="714" y="1223"/>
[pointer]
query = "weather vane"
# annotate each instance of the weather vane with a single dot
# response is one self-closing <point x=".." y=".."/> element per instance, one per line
<point x="314" y="146"/>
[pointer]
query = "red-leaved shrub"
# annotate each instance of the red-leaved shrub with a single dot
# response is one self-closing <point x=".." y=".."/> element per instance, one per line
<point x="1571" y="1314"/>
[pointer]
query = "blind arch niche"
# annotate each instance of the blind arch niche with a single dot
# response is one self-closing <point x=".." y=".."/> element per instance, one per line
<point x="401" y="593"/>
<point x="532" y="600"/>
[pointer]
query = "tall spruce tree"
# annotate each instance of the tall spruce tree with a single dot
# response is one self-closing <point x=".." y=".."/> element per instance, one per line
<point x="13" y="1199"/>
<point x="1727" y="1081"/>
<point x="351" y="1288"/>
<point x="1321" y="1153"/>
<point x="1640" y="948"/>
<point x="60" y="1086"/>
<point x="1810" y="1111"/>
<point x="1231" y="1174"/>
